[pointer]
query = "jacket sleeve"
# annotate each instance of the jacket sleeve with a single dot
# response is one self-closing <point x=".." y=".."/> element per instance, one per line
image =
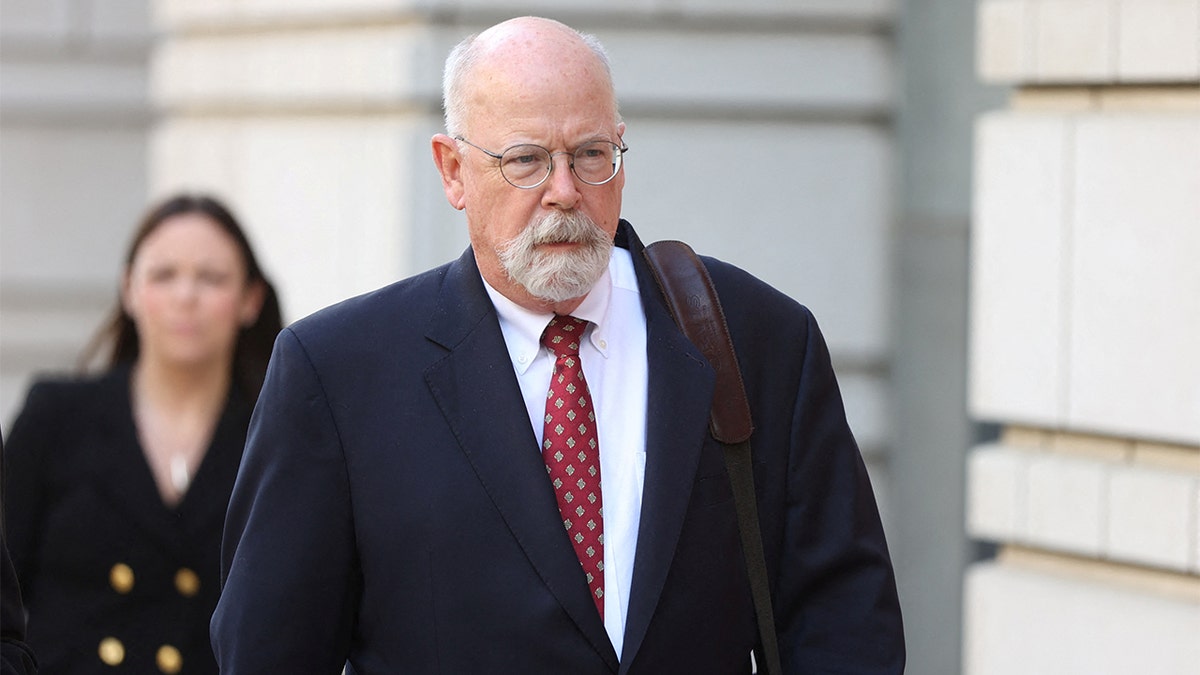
<point x="16" y="658"/>
<point x="27" y="450"/>
<point x="290" y="575"/>
<point x="837" y="603"/>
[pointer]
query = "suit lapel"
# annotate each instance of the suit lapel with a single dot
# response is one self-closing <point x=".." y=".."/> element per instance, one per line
<point x="122" y="474"/>
<point x="477" y="392"/>
<point x="680" y="395"/>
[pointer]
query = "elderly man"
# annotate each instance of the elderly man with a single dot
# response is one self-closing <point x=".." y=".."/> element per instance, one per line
<point x="503" y="465"/>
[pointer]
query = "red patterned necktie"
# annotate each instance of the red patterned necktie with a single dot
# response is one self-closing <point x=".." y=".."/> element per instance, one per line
<point x="572" y="453"/>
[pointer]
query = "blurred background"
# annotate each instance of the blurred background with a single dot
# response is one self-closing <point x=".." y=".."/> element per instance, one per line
<point x="993" y="209"/>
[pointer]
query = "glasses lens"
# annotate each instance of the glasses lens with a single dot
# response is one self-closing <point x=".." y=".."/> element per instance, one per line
<point x="525" y="165"/>
<point x="597" y="162"/>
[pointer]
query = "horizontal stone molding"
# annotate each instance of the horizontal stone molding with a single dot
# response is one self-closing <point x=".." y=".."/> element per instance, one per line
<point x="735" y="74"/>
<point x="1089" y="41"/>
<point x="88" y="91"/>
<point x="234" y="14"/>
<point x="1127" y="510"/>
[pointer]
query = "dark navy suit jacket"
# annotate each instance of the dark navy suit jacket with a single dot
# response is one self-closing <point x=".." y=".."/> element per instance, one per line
<point x="392" y="507"/>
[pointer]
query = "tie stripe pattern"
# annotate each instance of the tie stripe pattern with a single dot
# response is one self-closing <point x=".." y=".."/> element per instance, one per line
<point x="571" y="451"/>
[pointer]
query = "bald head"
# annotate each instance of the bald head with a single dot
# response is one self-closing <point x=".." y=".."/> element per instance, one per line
<point x="529" y="55"/>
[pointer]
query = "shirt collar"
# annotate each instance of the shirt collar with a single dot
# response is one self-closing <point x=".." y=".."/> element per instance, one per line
<point x="523" y="328"/>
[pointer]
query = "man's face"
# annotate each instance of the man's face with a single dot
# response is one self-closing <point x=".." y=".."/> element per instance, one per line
<point x="558" y="106"/>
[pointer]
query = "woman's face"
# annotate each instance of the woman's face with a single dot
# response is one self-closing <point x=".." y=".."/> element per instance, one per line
<point x="188" y="295"/>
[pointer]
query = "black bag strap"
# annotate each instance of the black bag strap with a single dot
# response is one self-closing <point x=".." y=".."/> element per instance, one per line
<point x="694" y="304"/>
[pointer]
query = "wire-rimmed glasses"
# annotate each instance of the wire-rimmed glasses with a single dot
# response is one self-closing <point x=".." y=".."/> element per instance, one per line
<point x="527" y="166"/>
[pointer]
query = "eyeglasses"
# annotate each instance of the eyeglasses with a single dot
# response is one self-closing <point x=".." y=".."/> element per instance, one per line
<point x="527" y="166"/>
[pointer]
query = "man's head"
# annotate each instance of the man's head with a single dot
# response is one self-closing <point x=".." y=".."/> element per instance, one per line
<point x="532" y="81"/>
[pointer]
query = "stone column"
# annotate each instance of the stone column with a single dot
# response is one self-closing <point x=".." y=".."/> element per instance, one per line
<point x="1084" y="340"/>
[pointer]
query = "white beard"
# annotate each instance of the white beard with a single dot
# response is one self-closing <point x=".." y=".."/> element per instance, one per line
<point x="558" y="276"/>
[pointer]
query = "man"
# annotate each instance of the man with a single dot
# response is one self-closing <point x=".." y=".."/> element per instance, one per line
<point x="394" y="511"/>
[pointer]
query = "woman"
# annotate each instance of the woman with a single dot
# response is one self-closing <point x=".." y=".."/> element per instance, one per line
<point x="117" y="484"/>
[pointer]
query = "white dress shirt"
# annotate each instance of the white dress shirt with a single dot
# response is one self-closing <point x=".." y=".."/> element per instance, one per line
<point x="613" y="357"/>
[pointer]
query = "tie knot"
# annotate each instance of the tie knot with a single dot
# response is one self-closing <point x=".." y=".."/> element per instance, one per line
<point x="562" y="335"/>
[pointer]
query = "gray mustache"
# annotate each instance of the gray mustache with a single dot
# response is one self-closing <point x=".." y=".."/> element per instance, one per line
<point x="557" y="228"/>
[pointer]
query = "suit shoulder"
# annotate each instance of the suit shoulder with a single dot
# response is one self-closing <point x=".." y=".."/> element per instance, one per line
<point x="741" y="290"/>
<point x="58" y="393"/>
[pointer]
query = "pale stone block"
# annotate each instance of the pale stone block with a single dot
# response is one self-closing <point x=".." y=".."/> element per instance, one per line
<point x="1136" y="245"/>
<point x="363" y="68"/>
<point x="1151" y="512"/>
<point x="997" y="477"/>
<point x="1067" y="504"/>
<point x="1003" y="41"/>
<point x="1158" y="40"/>
<point x="819" y="233"/>
<point x="1195" y="535"/>
<point x="1074" y="41"/>
<point x="199" y="154"/>
<point x="1018" y="252"/>
<point x="744" y="73"/>
<point x="1022" y="621"/>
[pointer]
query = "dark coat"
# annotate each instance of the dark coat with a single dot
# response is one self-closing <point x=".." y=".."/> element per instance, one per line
<point x="393" y="507"/>
<point x="100" y="558"/>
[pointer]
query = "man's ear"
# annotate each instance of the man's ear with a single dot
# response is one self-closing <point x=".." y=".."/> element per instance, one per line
<point x="449" y="163"/>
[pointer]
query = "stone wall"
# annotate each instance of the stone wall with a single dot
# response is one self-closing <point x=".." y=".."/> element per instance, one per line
<point x="1085" y="321"/>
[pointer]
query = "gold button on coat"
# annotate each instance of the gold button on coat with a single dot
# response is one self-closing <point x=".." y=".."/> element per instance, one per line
<point x="112" y="652"/>
<point x="169" y="660"/>
<point x="121" y="578"/>
<point x="186" y="582"/>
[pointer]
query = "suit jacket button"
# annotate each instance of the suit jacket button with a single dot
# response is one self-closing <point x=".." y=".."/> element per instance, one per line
<point x="169" y="660"/>
<point x="121" y="578"/>
<point x="186" y="582"/>
<point x="112" y="652"/>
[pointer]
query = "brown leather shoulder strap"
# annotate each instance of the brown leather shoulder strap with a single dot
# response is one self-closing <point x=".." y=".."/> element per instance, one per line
<point x="694" y="304"/>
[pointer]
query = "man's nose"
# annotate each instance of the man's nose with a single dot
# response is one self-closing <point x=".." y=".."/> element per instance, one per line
<point x="561" y="188"/>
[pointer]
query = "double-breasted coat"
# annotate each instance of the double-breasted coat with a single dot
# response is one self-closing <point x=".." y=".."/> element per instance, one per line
<point x="113" y="579"/>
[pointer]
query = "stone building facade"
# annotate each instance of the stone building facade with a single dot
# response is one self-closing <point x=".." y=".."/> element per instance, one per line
<point x="1085" y="321"/>
<point x="824" y="145"/>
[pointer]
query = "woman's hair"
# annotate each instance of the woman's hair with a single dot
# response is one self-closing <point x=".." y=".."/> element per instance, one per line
<point x="118" y="336"/>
